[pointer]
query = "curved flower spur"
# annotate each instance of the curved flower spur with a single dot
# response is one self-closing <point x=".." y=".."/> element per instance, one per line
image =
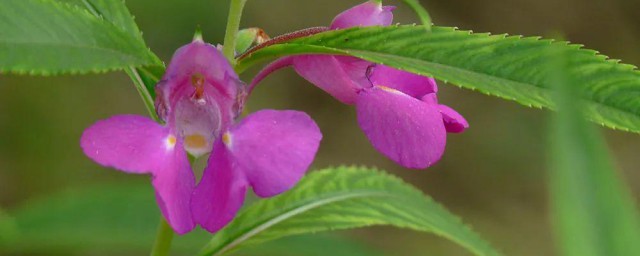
<point x="397" y="110"/>
<point x="199" y="99"/>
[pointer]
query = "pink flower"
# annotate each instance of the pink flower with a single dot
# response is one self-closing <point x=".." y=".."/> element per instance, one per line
<point x="199" y="98"/>
<point x="398" y="111"/>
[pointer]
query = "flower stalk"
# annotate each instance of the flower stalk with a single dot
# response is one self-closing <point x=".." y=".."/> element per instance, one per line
<point x="231" y="33"/>
<point x="164" y="237"/>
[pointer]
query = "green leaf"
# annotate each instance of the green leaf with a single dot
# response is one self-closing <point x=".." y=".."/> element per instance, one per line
<point x="122" y="218"/>
<point x="594" y="211"/>
<point x="113" y="11"/>
<point x="509" y="67"/>
<point x="343" y="198"/>
<point x="311" y="245"/>
<point x="44" y="37"/>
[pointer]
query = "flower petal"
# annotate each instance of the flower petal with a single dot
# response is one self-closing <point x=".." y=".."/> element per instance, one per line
<point x="412" y="84"/>
<point x="274" y="148"/>
<point x="365" y="14"/>
<point x="199" y="72"/>
<point x="220" y="193"/>
<point x="453" y="121"/>
<point x="340" y="76"/>
<point x="129" y="143"/>
<point x="137" y="144"/>
<point x="202" y="58"/>
<point x="174" y="183"/>
<point x="403" y="128"/>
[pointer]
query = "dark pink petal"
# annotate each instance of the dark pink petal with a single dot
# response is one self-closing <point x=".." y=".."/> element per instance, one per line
<point x="220" y="193"/>
<point x="139" y="145"/>
<point x="453" y="121"/>
<point x="365" y="14"/>
<point x="414" y="85"/>
<point x="174" y="183"/>
<point x="129" y="143"/>
<point x="403" y="128"/>
<point x="340" y="76"/>
<point x="273" y="149"/>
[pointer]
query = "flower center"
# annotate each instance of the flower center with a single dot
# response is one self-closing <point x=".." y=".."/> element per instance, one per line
<point x="195" y="141"/>
<point x="197" y="81"/>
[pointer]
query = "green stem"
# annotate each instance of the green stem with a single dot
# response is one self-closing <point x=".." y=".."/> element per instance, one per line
<point x="233" y="25"/>
<point x="163" y="239"/>
<point x="142" y="90"/>
<point x="421" y="11"/>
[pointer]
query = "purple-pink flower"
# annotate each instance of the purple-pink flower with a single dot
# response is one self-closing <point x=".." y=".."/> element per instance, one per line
<point x="199" y="99"/>
<point x="397" y="110"/>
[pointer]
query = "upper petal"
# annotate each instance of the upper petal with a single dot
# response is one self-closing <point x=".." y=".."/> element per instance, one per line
<point x="174" y="183"/>
<point x="220" y="193"/>
<point x="453" y="121"/>
<point x="403" y="128"/>
<point x="365" y="14"/>
<point x="273" y="149"/>
<point x="202" y="57"/>
<point x="412" y="84"/>
<point x="199" y="72"/>
<point x="127" y="142"/>
<point x="340" y="76"/>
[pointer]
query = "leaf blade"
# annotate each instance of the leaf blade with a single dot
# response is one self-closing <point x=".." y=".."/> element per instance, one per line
<point x="43" y="37"/>
<point x="125" y="216"/>
<point x="338" y="199"/>
<point x="593" y="210"/>
<point x="509" y="67"/>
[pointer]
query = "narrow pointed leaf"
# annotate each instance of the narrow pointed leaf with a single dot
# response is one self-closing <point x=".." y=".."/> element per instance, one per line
<point x="120" y="219"/>
<point x="343" y="198"/>
<point x="116" y="13"/>
<point x="44" y="37"/>
<point x="594" y="211"/>
<point x="510" y="67"/>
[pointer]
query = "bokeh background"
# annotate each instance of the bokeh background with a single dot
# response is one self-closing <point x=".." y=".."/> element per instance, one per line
<point x="493" y="175"/>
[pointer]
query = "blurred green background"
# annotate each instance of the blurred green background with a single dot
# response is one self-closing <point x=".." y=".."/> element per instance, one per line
<point x="493" y="175"/>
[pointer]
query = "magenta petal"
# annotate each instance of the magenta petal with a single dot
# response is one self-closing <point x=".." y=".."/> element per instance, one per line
<point x="453" y="121"/>
<point x="129" y="143"/>
<point x="414" y="85"/>
<point x="403" y="128"/>
<point x="365" y="14"/>
<point x="274" y="148"/>
<point x="220" y="193"/>
<point x="200" y="57"/>
<point x="174" y="183"/>
<point x="340" y="76"/>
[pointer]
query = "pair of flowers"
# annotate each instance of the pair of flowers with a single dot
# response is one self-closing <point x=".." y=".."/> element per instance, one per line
<point x="200" y="97"/>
